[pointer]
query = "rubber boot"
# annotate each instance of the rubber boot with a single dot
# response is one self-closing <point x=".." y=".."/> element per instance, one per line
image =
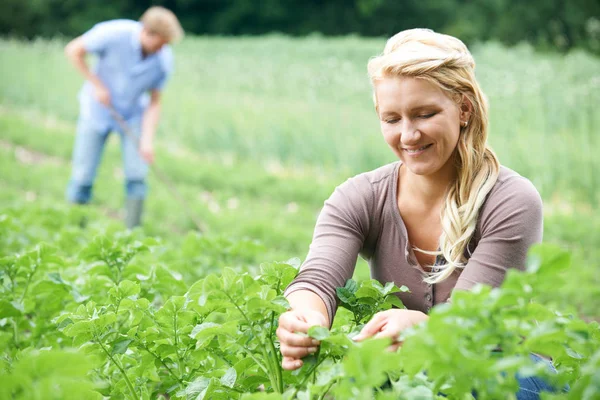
<point x="133" y="212"/>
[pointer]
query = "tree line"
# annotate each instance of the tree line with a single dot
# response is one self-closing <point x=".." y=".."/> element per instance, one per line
<point x="551" y="24"/>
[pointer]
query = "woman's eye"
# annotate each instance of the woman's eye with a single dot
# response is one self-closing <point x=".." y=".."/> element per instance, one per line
<point x="391" y="121"/>
<point x="425" y="116"/>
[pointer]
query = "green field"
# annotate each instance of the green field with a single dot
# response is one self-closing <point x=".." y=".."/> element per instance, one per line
<point x="308" y="102"/>
<point x="256" y="133"/>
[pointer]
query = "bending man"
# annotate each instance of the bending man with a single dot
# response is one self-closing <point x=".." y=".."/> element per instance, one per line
<point x="134" y="63"/>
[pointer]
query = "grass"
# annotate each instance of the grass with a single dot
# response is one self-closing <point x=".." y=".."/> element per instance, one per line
<point x="36" y="165"/>
<point x="307" y="101"/>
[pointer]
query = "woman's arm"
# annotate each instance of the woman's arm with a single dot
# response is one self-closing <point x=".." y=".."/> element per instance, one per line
<point x="510" y="222"/>
<point x="340" y="232"/>
<point x="339" y="235"/>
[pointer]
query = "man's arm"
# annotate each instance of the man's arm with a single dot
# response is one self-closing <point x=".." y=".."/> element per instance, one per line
<point x="149" y="124"/>
<point x="75" y="52"/>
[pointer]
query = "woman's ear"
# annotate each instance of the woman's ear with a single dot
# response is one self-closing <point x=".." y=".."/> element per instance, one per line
<point x="466" y="109"/>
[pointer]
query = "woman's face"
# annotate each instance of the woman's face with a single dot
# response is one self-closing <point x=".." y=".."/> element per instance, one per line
<point x="419" y="122"/>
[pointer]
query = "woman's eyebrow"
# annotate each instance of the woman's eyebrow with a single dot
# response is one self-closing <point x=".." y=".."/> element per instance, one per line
<point x="412" y="109"/>
<point x="423" y="106"/>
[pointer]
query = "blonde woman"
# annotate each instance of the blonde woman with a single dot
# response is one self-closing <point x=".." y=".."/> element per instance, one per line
<point x="444" y="217"/>
<point x="134" y="64"/>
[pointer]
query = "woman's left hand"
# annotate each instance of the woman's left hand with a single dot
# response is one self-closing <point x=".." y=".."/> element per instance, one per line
<point x="389" y="324"/>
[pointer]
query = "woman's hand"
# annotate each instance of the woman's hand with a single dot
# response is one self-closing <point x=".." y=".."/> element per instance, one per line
<point x="389" y="324"/>
<point x="293" y="346"/>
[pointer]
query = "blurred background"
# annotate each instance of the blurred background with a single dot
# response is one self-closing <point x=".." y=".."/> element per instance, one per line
<point x="270" y="108"/>
<point x="551" y="24"/>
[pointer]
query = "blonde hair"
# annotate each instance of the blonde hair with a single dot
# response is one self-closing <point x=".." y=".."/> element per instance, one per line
<point x="446" y="62"/>
<point x="162" y="21"/>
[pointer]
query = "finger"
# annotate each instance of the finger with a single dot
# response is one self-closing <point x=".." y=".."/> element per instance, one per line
<point x="387" y="332"/>
<point x="290" y="364"/>
<point x="313" y="319"/>
<point x="292" y="339"/>
<point x="394" y="347"/>
<point x="291" y="323"/>
<point x="296" y="352"/>
<point x="372" y="327"/>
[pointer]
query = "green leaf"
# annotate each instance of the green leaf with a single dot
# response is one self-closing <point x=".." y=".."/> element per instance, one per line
<point x="194" y="389"/>
<point x="318" y="332"/>
<point x="120" y="347"/>
<point x="56" y="278"/>
<point x="128" y="288"/>
<point x="262" y="396"/>
<point x="63" y="323"/>
<point x="368" y="292"/>
<point x="345" y="295"/>
<point x="256" y="305"/>
<point x="229" y="378"/>
<point x="201" y="327"/>
<point x="10" y="309"/>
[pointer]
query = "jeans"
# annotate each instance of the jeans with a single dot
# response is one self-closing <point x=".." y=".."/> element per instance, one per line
<point x="87" y="152"/>
<point x="531" y="387"/>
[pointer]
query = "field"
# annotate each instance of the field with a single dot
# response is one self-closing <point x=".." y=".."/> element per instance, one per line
<point x="256" y="133"/>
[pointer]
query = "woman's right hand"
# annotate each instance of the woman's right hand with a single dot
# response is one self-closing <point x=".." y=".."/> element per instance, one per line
<point x="294" y="347"/>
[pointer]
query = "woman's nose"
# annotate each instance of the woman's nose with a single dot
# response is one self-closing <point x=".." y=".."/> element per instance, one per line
<point x="409" y="134"/>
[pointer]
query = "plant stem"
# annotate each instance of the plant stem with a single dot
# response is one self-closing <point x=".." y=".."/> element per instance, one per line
<point x="222" y="357"/>
<point x="27" y="284"/>
<point x="275" y="352"/>
<point x="321" y="397"/>
<point x="271" y="374"/>
<point x="277" y="366"/>
<point x="127" y="381"/>
<point x="264" y="369"/>
<point x="164" y="364"/>
<point x="16" y="333"/>
<point x="307" y="377"/>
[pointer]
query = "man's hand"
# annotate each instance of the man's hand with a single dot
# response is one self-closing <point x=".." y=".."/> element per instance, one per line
<point x="147" y="151"/>
<point x="75" y="52"/>
<point x="102" y="94"/>
<point x="389" y="324"/>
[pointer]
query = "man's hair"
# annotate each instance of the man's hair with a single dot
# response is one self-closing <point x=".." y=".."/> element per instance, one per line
<point x="163" y="22"/>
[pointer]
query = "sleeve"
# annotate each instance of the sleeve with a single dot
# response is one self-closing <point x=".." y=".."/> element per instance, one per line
<point x="102" y="35"/>
<point x="340" y="232"/>
<point x="511" y="221"/>
<point x="167" y="69"/>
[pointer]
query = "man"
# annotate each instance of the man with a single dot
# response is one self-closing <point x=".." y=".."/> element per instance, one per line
<point x="134" y="63"/>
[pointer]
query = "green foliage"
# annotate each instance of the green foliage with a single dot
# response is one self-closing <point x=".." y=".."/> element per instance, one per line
<point x="368" y="297"/>
<point x="78" y="322"/>
<point x="48" y="374"/>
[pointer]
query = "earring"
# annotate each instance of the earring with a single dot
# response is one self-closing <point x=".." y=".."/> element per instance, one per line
<point x="465" y="123"/>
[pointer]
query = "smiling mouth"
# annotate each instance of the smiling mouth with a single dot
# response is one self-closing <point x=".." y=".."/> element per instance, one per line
<point x="409" y="151"/>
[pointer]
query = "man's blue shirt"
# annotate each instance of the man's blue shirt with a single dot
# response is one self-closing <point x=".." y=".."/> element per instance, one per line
<point x="123" y="69"/>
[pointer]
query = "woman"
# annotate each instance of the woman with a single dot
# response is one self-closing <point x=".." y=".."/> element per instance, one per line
<point x="446" y="216"/>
